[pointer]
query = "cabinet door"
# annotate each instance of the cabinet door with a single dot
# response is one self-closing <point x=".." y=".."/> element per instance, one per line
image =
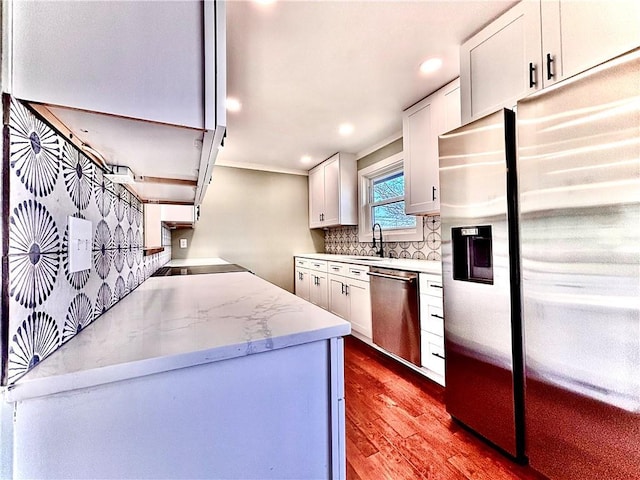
<point x="332" y="192"/>
<point x="501" y="64"/>
<point x="360" y="306"/>
<point x="451" y="115"/>
<point x="302" y="283"/>
<point x="316" y="197"/>
<point x="338" y="301"/>
<point x="104" y="57"/>
<point x="579" y="35"/>
<point x="420" y="158"/>
<point x="178" y="213"/>
<point x="152" y="225"/>
<point x="319" y="290"/>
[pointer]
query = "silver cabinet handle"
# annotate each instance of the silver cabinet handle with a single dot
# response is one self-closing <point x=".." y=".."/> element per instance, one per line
<point x="392" y="277"/>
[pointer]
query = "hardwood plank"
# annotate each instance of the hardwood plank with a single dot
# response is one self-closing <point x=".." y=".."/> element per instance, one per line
<point x="360" y="440"/>
<point x="397" y="427"/>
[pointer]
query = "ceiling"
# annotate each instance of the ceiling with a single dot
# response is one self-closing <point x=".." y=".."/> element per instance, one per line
<point x="300" y="69"/>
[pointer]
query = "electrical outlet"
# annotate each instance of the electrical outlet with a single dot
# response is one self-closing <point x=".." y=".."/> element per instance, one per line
<point x="183" y="243"/>
<point x="79" y="244"/>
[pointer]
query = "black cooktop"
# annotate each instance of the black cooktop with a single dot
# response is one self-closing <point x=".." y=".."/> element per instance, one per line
<point x="198" y="270"/>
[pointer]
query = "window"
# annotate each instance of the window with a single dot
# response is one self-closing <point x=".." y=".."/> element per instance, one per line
<point x="381" y="193"/>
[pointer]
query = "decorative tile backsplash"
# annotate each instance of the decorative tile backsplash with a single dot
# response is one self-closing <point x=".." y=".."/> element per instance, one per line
<point x="344" y="241"/>
<point x="49" y="180"/>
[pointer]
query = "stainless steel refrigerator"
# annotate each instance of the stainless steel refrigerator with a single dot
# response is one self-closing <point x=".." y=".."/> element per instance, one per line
<point x="480" y="272"/>
<point x="574" y="244"/>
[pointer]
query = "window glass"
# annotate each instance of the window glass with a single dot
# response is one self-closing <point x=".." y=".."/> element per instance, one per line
<point x="391" y="215"/>
<point x="387" y="202"/>
<point x="389" y="186"/>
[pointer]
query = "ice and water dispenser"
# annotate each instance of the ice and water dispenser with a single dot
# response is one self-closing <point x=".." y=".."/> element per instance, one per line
<point x="472" y="254"/>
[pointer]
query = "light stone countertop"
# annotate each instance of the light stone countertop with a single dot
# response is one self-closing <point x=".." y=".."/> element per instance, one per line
<point x="422" y="266"/>
<point x="195" y="262"/>
<point x="180" y="321"/>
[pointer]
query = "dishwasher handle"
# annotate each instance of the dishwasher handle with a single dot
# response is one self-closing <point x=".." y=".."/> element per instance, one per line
<point x="392" y="277"/>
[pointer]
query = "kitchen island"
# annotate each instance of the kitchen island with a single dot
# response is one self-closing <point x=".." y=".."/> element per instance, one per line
<point x="208" y="376"/>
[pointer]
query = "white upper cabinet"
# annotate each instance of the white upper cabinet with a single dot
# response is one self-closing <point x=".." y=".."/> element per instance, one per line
<point x="535" y="44"/>
<point x="333" y="192"/>
<point x="579" y="35"/>
<point x="141" y="60"/>
<point x="421" y="125"/>
<point x="501" y="63"/>
<point x="125" y="78"/>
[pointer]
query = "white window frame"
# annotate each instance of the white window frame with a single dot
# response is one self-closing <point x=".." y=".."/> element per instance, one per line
<point x="365" y="235"/>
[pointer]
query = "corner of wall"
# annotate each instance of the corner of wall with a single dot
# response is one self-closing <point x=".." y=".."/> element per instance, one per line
<point x="49" y="179"/>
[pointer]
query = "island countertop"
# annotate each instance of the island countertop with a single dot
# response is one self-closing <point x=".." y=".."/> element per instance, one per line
<point x="175" y="322"/>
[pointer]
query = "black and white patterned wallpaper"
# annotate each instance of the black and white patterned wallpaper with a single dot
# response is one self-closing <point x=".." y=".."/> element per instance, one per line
<point x="344" y="241"/>
<point x="50" y="180"/>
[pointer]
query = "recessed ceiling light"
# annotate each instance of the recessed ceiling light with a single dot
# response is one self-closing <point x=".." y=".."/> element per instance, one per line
<point x="264" y="2"/>
<point x="431" y="65"/>
<point x="305" y="159"/>
<point x="345" y="129"/>
<point x="233" y="104"/>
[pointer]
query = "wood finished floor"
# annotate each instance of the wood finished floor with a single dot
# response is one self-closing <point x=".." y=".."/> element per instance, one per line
<point x="397" y="427"/>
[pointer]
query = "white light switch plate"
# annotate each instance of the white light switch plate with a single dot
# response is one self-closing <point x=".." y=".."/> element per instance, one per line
<point x="183" y="243"/>
<point x="79" y="244"/>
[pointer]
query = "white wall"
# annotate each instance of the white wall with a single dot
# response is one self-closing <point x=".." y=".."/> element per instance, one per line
<point x="256" y="219"/>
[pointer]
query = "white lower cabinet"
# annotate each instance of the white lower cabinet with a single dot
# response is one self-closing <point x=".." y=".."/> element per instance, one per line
<point x="302" y="283"/>
<point x="318" y="284"/>
<point x="349" y="296"/>
<point x="360" y="306"/>
<point x="432" y="327"/>
<point x="338" y="300"/>
<point x="343" y="289"/>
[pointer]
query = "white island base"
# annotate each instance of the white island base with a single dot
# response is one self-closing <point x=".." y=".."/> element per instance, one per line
<point x="216" y="376"/>
<point x="262" y="416"/>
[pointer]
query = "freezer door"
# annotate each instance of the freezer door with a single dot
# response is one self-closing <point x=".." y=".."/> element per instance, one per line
<point x="477" y="273"/>
<point x="579" y="180"/>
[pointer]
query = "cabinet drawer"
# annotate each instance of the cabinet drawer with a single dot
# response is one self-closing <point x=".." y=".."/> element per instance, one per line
<point x="318" y="265"/>
<point x="430" y="300"/>
<point x="338" y="268"/>
<point x="358" y="272"/>
<point x="432" y="352"/>
<point x="302" y="262"/>
<point x="431" y="284"/>
<point x="432" y="319"/>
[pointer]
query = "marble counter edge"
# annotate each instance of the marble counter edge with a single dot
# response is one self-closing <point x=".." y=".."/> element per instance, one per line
<point x="95" y="377"/>
<point x="424" y="266"/>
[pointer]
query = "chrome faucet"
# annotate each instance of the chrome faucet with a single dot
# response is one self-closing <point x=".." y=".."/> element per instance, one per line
<point x="380" y="251"/>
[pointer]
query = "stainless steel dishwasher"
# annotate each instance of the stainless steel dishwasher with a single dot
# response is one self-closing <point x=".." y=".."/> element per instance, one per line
<point x="394" y="312"/>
